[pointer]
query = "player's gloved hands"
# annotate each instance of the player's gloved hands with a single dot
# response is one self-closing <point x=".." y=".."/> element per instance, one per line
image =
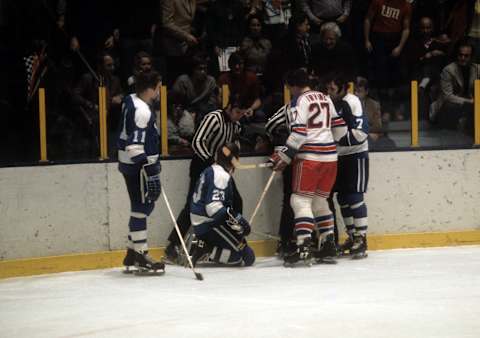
<point x="237" y="222"/>
<point x="280" y="159"/>
<point x="151" y="179"/>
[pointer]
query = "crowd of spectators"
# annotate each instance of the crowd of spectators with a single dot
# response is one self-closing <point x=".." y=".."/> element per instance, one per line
<point x="71" y="46"/>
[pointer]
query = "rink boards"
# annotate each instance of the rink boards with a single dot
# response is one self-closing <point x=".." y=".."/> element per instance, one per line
<point x="74" y="217"/>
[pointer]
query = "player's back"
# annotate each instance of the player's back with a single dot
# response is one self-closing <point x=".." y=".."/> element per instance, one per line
<point x="314" y="114"/>
<point x="213" y="191"/>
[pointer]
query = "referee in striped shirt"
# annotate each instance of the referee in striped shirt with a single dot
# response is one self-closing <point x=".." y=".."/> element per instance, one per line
<point x="217" y="128"/>
<point x="278" y="129"/>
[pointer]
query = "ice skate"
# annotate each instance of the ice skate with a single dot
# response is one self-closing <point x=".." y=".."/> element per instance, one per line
<point x="327" y="252"/>
<point x="344" y="250"/>
<point x="147" y="266"/>
<point x="359" y="247"/>
<point x="199" y="252"/>
<point x="129" y="261"/>
<point x="301" y="253"/>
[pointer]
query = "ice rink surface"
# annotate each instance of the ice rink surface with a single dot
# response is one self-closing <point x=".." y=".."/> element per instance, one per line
<point x="399" y="293"/>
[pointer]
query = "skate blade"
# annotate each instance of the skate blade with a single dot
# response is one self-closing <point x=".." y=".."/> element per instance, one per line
<point x="326" y="260"/>
<point x="129" y="270"/>
<point x="146" y="272"/>
<point x="306" y="262"/>
<point x="359" y="256"/>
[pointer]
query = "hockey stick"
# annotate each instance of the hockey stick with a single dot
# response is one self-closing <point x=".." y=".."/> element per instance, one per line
<point x="262" y="196"/>
<point x="260" y="200"/>
<point x="254" y="166"/>
<point x="198" y="275"/>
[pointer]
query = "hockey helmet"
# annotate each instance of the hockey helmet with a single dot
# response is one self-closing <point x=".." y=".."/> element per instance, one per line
<point x="227" y="156"/>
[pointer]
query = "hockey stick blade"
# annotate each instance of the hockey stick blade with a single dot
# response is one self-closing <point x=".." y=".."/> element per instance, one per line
<point x="198" y="275"/>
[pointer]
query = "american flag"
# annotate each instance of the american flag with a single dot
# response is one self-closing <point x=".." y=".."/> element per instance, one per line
<point x="35" y="68"/>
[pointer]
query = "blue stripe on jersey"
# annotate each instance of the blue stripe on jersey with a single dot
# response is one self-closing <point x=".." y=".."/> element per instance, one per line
<point x="317" y="152"/>
<point x="299" y="133"/>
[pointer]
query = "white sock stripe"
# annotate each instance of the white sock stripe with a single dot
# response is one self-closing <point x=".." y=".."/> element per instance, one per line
<point x="360" y="222"/>
<point x="140" y="247"/>
<point x="138" y="235"/>
<point x="348" y="221"/>
<point x="139" y="215"/>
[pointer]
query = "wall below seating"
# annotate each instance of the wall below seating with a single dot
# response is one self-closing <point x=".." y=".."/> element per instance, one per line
<point x="84" y="208"/>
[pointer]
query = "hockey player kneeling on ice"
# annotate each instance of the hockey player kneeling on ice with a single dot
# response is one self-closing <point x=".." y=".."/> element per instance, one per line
<point x="219" y="230"/>
<point x="138" y="161"/>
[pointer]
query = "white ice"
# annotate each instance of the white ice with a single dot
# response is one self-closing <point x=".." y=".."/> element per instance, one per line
<point x="399" y="293"/>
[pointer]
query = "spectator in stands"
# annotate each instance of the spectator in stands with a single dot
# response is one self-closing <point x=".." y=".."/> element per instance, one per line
<point x="226" y="21"/>
<point x="377" y="137"/>
<point x="142" y="63"/>
<point x="245" y="84"/>
<point x="387" y="27"/>
<point x="427" y="57"/>
<point x="177" y="36"/>
<point x="297" y="49"/>
<point x="454" y="108"/>
<point x="255" y="47"/>
<point x="136" y="22"/>
<point x="332" y="54"/>
<point x="91" y="26"/>
<point x="85" y="101"/>
<point x="355" y="34"/>
<point x="321" y="11"/>
<point x="461" y="19"/>
<point x="198" y="87"/>
<point x="276" y="16"/>
<point x="181" y="123"/>
<point x="473" y="32"/>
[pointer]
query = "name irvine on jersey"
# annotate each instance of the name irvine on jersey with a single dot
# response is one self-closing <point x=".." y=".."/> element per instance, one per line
<point x="315" y="96"/>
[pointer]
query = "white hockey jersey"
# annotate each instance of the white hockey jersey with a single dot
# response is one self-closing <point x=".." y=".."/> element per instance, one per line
<point x="315" y="126"/>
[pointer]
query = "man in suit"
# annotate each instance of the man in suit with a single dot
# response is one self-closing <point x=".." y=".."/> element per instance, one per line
<point x="456" y="90"/>
<point x="176" y="35"/>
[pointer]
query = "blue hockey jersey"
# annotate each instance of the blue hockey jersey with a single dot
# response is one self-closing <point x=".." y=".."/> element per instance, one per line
<point x="213" y="195"/>
<point x="138" y="142"/>
<point x="356" y="140"/>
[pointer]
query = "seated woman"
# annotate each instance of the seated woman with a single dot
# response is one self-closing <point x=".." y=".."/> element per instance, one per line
<point x="220" y="230"/>
<point x="180" y="124"/>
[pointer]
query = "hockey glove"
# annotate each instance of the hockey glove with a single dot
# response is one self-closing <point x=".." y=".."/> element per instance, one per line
<point x="150" y="178"/>
<point x="237" y="222"/>
<point x="282" y="158"/>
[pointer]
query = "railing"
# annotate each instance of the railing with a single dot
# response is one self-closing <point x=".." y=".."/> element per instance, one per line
<point x="103" y="130"/>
